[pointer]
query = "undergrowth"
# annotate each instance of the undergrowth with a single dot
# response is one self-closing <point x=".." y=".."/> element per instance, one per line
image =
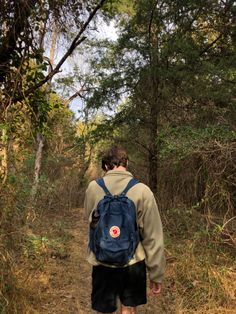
<point x="24" y="247"/>
<point x="197" y="201"/>
<point x="182" y="141"/>
<point x="201" y="270"/>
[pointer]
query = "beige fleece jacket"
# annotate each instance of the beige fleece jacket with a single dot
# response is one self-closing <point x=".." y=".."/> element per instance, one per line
<point x="151" y="248"/>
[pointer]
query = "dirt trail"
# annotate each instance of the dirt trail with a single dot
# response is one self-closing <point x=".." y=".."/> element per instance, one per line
<point x="65" y="281"/>
<point x="64" y="284"/>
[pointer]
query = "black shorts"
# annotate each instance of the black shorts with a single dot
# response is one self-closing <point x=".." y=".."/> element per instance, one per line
<point x="127" y="283"/>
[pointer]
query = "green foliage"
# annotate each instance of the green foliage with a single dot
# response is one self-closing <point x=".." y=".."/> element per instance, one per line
<point x="182" y="141"/>
<point x="114" y="7"/>
<point x="171" y="65"/>
<point x="37" y="246"/>
<point x="167" y="80"/>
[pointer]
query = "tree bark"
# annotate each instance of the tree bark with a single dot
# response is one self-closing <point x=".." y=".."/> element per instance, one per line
<point x="37" y="165"/>
<point x="4" y="156"/>
<point x="153" y="151"/>
<point x="53" y="44"/>
<point x="154" y="100"/>
<point x="40" y="136"/>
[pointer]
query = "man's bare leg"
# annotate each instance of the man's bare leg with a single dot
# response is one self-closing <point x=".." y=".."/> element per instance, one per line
<point x="124" y="310"/>
<point x="107" y="313"/>
<point x="128" y="309"/>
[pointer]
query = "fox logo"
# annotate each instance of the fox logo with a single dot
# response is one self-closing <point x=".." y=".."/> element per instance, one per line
<point x="114" y="231"/>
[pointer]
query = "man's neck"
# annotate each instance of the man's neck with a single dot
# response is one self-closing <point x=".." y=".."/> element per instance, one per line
<point x="119" y="168"/>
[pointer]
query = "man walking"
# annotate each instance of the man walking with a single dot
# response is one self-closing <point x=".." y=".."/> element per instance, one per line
<point x="128" y="282"/>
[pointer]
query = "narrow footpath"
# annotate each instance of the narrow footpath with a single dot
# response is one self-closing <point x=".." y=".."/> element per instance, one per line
<point x="63" y="282"/>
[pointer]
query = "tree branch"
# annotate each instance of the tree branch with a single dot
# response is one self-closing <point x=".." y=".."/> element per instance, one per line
<point x="75" y="43"/>
<point x="76" y="95"/>
<point x="210" y="45"/>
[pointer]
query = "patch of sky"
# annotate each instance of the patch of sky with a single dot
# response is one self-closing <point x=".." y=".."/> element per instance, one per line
<point x="70" y="79"/>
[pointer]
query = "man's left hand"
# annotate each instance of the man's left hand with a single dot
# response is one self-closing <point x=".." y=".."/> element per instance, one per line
<point x="155" y="287"/>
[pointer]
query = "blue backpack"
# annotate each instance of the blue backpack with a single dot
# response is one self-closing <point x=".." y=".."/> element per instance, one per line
<point x="114" y="233"/>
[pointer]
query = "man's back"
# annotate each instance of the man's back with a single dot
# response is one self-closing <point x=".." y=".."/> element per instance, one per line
<point x="130" y="281"/>
<point x="148" y="217"/>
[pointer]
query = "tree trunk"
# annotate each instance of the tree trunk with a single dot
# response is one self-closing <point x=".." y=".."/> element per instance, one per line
<point x="4" y="156"/>
<point x="53" y="44"/>
<point x="152" y="156"/>
<point x="154" y="99"/>
<point x="37" y="165"/>
<point x="40" y="137"/>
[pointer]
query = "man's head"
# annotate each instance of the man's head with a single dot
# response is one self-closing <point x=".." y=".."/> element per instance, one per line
<point x="114" y="157"/>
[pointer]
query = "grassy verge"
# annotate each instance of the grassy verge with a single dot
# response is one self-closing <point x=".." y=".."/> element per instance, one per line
<point x="201" y="270"/>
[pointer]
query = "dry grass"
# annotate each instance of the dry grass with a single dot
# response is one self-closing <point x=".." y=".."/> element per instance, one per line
<point x="202" y="285"/>
<point x="54" y="277"/>
<point x="202" y="268"/>
<point x="42" y="262"/>
<point x="205" y="178"/>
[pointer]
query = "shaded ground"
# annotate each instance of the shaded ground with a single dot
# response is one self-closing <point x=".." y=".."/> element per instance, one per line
<point x="60" y="283"/>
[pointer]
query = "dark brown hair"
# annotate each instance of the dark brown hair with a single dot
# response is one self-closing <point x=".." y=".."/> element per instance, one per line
<point x="114" y="156"/>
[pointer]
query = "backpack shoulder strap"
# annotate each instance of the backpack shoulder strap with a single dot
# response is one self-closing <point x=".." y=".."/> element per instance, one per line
<point x="131" y="183"/>
<point x="101" y="183"/>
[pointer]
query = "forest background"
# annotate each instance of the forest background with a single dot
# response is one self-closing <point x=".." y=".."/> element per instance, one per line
<point x="164" y="88"/>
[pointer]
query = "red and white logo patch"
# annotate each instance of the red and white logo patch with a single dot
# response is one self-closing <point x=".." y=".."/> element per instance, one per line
<point x="114" y="231"/>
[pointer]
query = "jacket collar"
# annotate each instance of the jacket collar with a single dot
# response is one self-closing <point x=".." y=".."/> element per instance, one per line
<point x="119" y="173"/>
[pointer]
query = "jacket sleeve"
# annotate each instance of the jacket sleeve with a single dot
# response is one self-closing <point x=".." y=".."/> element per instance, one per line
<point x="152" y="237"/>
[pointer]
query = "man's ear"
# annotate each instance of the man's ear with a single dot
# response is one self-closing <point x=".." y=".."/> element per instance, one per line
<point x="106" y="167"/>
